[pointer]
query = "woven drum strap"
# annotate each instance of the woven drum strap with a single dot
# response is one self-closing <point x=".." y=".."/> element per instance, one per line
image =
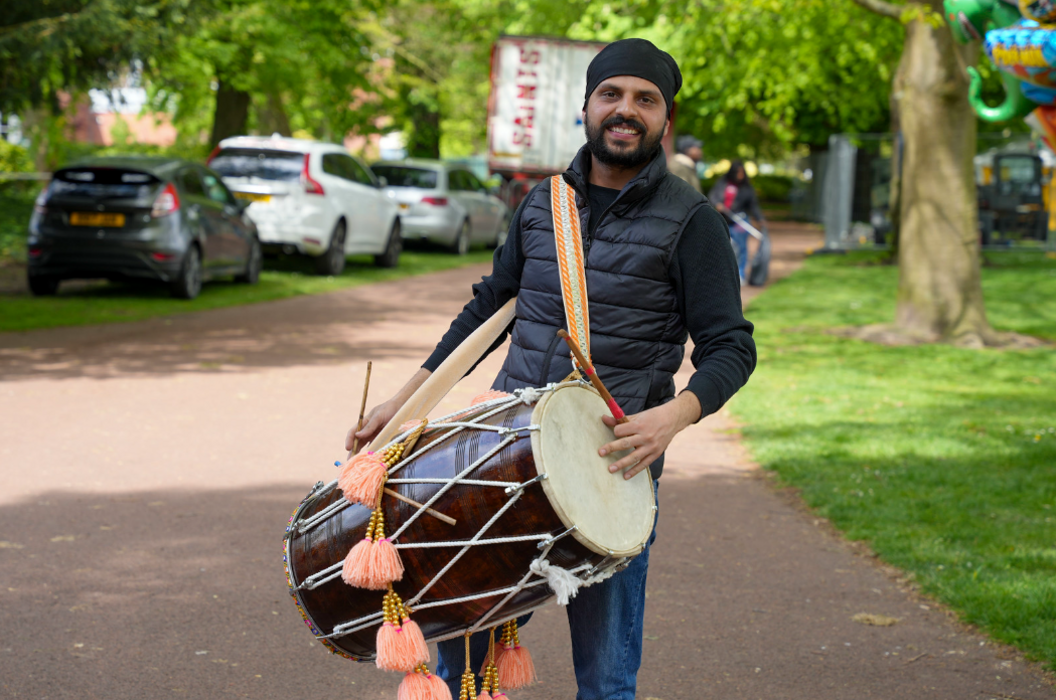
<point x="570" y="262"/>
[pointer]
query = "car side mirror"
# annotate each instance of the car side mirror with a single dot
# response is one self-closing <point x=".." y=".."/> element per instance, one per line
<point x="383" y="181"/>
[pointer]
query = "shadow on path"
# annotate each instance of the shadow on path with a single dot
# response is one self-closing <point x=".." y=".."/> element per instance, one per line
<point x="352" y="324"/>
<point x="164" y="593"/>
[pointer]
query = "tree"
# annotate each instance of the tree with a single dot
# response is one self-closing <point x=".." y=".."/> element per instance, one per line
<point x="53" y="51"/>
<point x="940" y="295"/>
<point x="267" y="65"/>
<point x="764" y="76"/>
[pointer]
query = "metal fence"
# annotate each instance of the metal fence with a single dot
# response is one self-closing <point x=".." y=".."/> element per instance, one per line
<point x="849" y="192"/>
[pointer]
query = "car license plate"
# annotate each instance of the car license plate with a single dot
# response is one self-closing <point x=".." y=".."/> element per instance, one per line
<point x="404" y="207"/>
<point x="84" y="218"/>
<point x="253" y="196"/>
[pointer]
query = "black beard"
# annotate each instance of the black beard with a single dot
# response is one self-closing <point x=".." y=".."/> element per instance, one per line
<point x="624" y="158"/>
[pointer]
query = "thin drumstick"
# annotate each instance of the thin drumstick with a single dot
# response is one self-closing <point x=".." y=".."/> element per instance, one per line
<point x="398" y="496"/>
<point x="617" y="412"/>
<point x="362" y="410"/>
<point x="435" y="513"/>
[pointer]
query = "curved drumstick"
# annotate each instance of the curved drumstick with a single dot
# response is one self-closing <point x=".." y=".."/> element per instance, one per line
<point x="614" y="407"/>
<point x="448" y="373"/>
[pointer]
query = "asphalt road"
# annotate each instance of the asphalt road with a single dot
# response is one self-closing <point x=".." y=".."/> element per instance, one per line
<point x="149" y="470"/>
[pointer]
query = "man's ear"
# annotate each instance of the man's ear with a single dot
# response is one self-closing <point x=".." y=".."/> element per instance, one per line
<point x="667" y="127"/>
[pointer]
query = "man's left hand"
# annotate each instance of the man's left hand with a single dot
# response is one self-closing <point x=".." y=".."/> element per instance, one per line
<point x="649" y="433"/>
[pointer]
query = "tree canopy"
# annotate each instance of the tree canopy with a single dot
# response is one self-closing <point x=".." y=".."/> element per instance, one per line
<point x="761" y="76"/>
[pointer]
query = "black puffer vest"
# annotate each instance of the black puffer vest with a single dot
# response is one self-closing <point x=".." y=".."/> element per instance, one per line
<point x="637" y="337"/>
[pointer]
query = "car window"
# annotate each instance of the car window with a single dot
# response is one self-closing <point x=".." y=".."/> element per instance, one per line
<point x="359" y="172"/>
<point x="404" y="176"/>
<point x="334" y="165"/>
<point x="472" y="183"/>
<point x="190" y="183"/>
<point x="456" y="180"/>
<point x="215" y="190"/>
<point x="263" y="163"/>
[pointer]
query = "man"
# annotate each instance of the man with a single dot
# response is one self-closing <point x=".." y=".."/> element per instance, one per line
<point x="659" y="267"/>
<point x="684" y="164"/>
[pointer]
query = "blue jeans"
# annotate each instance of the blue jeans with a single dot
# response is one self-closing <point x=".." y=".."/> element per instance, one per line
<point x="605" y="621"/>
<point x="740" y="247"/>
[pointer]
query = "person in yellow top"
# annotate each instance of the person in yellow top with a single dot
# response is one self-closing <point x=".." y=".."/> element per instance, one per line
<point x="684" y="164"/>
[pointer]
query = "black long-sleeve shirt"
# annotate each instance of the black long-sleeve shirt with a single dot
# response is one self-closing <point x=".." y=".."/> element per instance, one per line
<point x="704" y="273"/>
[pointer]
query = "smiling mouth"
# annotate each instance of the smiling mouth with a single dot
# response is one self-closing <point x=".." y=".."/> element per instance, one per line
<point x="623" y="130"/>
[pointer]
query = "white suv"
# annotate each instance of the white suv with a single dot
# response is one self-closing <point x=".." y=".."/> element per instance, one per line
<point x="311" y="197"/>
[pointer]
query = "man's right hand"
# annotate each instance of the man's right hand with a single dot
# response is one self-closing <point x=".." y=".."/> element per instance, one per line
<point x="382" y="414"/>
<point x="373" y="422"/>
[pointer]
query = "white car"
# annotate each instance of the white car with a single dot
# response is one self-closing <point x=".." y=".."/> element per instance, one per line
<point x="313" y="198"/>
<point x="444" y="203"/>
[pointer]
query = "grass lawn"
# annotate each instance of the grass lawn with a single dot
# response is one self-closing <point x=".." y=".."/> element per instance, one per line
<point x="106" y="303"/>
<point x="942" y="459"/>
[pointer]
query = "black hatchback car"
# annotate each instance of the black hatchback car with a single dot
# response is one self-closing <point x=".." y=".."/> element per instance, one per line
<point x="160" y="219"/>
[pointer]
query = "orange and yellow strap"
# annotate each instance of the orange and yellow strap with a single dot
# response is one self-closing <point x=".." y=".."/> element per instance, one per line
<point x="570" y="262"/>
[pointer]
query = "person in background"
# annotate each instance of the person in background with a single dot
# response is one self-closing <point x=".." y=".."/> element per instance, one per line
<point x="734" y="194"/>
<point x="684" y="164"/>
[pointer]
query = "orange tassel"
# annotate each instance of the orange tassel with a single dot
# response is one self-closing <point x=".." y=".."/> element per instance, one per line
<point x="484" y="695"/>
<point x="385" y="564"/>
<point x="488" y="396"/>
<point x="356" y="569"/>
<point x="415" y="686"/>
<point x="412" y="641"/>
<point x="389" y="645"/>
<point x="362" y="478"/>
<point x="440" y="689"/>
<point x="516" y="668"/>
<point x="400" y="647"/>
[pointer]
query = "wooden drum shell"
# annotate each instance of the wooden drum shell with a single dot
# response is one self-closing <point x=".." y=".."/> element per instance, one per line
<point x="481" y="569"/>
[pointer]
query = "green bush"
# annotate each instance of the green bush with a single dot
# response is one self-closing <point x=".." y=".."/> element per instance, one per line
<point x="773" y="188"/>
<point x="14" y="159"/>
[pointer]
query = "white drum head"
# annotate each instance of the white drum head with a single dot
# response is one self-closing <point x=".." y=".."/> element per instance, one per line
<point x="612" y="515"/>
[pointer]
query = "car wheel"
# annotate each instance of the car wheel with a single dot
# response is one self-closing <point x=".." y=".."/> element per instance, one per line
<point x="43" y="285"/>
<point x="254" y="262"/>
<point x="461" y="243"/>
<point x="332" y="262"/>
<point x="188" y="282"/>
<point x="391" y="256"/>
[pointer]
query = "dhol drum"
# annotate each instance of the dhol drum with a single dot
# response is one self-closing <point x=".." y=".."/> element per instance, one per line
<point x="536" y="512"/>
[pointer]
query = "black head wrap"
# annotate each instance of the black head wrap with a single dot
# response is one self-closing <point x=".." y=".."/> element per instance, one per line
<point x="639" y="58"/>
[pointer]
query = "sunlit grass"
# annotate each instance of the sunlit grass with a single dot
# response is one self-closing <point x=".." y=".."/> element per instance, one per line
<point x="943" y="459"/>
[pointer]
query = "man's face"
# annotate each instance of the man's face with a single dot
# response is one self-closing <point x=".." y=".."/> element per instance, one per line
<point x="625" y="119"/>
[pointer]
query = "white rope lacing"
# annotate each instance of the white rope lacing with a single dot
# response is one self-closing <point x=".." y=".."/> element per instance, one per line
<point x="563" y="582"/>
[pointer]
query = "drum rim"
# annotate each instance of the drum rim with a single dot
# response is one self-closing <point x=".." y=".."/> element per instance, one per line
<point x="295" y="585"/>
<point x="548" y="489"/>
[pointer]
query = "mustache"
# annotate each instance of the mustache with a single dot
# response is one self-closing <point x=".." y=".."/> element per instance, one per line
<point x="621" y="121"/>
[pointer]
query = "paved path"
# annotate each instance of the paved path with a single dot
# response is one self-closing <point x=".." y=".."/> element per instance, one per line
<point x="149" y="469"/>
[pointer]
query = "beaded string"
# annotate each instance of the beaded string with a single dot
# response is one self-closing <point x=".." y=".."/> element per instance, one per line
<point x="393" y="609"/>
<point x="491" y="672"/>
<point x="390" y="457"/>
<point x="469" y="686"/>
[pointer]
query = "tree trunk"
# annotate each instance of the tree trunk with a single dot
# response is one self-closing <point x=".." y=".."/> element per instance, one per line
<point x="232" y="110"/>
<point x="939" y="292"/>
<point x="894" y="204"/>
<point x="272" y="117"/>
<point x="423" y="137"/>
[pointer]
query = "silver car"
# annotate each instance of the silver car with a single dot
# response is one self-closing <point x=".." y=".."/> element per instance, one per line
<point x="444" y="203"/>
